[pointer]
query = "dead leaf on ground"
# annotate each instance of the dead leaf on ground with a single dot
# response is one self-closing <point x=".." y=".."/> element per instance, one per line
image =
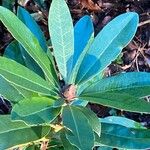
<point x="89" y="4"/>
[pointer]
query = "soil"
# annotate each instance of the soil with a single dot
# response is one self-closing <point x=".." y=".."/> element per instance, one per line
<point x="135" y="57"/>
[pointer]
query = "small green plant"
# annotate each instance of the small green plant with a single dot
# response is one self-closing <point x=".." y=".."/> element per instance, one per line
<point x="48" y="100"/>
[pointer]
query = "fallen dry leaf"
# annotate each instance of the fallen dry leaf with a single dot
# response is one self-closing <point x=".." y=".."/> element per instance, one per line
<point x="89" y="4"/>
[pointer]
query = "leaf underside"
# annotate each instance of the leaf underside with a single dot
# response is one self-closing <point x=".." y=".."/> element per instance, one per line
<point x="62" y="38"/>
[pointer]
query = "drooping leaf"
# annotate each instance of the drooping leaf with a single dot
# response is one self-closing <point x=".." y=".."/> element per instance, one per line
<point x="21" y="76"/>
<point x="118" y="136"/>
<point x="92" y="118"/>
<point x="124" y="91"/>
<point x="38" y="110"/>
<point x="12" y="51"/>
<point x="76" y="121"/>
<point x="108" y="45"/>
<point x="26" y="38"/>
<point x="62" y="37"/>
<point x="22" y="132"/>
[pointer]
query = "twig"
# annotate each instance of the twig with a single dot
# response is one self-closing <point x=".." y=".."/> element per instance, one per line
<point x="144" y="22"/>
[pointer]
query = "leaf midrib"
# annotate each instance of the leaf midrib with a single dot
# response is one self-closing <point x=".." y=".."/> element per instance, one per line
<point x="17" y="75"/>
<point x="102" y="52"/>
<point x="29" y="52"/>
<point x="20" y="128"/>
<point x="36" y="112"/>
<point x="78" y="136"/>
<point x="127" y="137"/>
<point x="113" y="90"/>
<point x="62" y="41"/>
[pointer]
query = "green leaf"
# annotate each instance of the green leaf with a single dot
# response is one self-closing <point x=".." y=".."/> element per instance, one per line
<point x="40" y="3"/>
<point x="55" y="142"/>
<point x="79" y="102"/>
<point x="62" y="37"/>
<point x="108" y="45"/>
<point x="92" y="118"/>
<point x="118" y="136"/>
<point x="83" y="31"/>
<point x="11" y="94"/>
<point x="124" y="91"/>
<point x="8" y="4"/>
<point x="73" y="75"/>
<point x="12" y="51"/>
<point x="22" y="132"/>
<point x="66" y="144"/>
<point x="26" y="38"/>
<point x="121" y="121"/>
<point x="21" y="76"/>
<point x="77" y="122"/>
<point x="83" y="37"/>
<point x="83" y="86"/>
<point x="25" y="93"/>
<point x="105" y="148"/>
<point x="27" y="19"/>
<point x="38" y="110"/>
<point x="32" y="147"/>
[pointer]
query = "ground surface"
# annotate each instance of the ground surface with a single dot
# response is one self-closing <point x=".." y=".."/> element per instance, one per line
<point x="135" y="57"/>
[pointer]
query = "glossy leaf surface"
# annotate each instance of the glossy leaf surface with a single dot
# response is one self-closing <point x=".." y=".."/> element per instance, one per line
<point x="12" y="51"/>
<point x="27" y="19"/>
<point x="118" y="136"/>
<point x="121" y="121"/>
<point x="61" y="33"/>
<point x="21" y="76"/>
<point x="26" y="38"/>
<point x="38" y="110"/>
<point x="124" y="91"/>
<point x="92" y="118"/>
<point x="108" y="45"/>
<point x="12" y="94"/>
<point x="83" y="37"/>
<point x="74" y="73"/>
<point x="66" y="144"/>
<point x="82" y="134"/>
<point x="83" y="30"/>
<point x="22" y="132"/>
